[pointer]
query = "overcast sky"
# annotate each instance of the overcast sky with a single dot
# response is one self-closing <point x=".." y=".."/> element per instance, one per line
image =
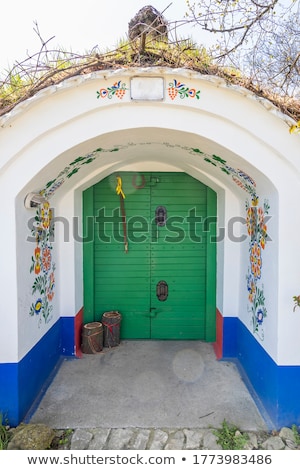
<point x="77" y="26"/>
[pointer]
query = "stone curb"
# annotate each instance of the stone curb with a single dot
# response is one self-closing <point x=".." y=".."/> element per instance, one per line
<point x="40" y="436"/>
<point x="173" y="439"/>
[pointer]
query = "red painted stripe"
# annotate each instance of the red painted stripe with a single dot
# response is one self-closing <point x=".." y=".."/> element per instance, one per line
<point x="218" y="345"/>
<point x="78" y="327"/>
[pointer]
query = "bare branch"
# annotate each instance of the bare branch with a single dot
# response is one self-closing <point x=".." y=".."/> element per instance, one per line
<point x="257" y="50"/>
<point x="260" y="29"/>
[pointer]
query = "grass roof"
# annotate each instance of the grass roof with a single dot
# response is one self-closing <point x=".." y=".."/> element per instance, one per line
<point x="48" y="68"/>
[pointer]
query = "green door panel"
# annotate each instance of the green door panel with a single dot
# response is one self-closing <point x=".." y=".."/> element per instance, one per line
<point x="176" y="259"/>
<point x="180" y="253"/>
<point x="121" y="279"/>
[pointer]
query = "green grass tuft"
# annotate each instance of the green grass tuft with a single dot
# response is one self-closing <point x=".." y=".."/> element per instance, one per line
<point x="230" y="438"/>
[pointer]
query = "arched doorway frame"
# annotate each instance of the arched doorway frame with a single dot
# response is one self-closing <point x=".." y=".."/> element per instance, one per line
<point x="232" y="123"/>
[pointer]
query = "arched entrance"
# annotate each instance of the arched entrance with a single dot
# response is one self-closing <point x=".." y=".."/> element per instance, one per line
<point x="72" y="136"/>
<point x="152" y="254"/>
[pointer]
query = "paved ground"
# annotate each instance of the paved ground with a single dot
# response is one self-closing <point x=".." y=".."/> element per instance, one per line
<point x="149" y="384"/>
<point x="153" y="439"/>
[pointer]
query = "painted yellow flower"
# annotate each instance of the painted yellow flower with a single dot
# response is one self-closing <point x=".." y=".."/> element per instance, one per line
<point x="38" y="306"/>
<point x="250" y="220"/>
<point x="251" y="291"/>
<point x="45" y="215"/>
<point x="255" y="260"/>
<point x="37" y="261"/>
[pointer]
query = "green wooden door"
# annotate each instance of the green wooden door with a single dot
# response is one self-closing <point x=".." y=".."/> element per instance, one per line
<point x="164" y="286"/>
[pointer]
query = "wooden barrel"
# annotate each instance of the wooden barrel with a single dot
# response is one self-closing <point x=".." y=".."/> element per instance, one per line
<point x="111" y="322"/>
<point x="92" y="338"/>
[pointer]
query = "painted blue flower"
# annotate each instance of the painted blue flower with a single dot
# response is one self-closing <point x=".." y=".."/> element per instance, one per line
<point x="259" y="316"/>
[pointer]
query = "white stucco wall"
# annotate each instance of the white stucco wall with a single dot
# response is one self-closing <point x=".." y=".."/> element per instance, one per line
<point x="42" y="136"/>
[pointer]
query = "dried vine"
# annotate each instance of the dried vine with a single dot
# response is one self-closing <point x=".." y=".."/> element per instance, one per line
<point x="51" y="66"/>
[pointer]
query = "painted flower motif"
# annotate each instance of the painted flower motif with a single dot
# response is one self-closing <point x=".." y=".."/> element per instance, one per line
<point x="118" y="89"/>
<point x="262" y="227"/>
<point x="102" y="93"/>
<point x="38" y="234"/>
<point x="45" y="215"/>
<point x="251" y="288"/>
<point x="50" y="288"/>
<point x="192" y="92"/>
<point x="240" y="184"/>
<point x="257" y="230"/>
<point x="260" y="216"/>
<point x="46" y="259"/>
<point x="53" y="186"/>
<point x="38" y="306"/>
<point x="37" y="260"/>
<point x="255" y="260"/>
<point x="259" y="316"/>
<point x="177" y="88"/>
<point x="42" y="265"/>
<point x="251" y="221"/>
<point x="246" y="177"/>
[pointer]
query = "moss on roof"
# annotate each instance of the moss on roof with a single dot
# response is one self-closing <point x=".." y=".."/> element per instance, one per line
<point x="48" y="68"/>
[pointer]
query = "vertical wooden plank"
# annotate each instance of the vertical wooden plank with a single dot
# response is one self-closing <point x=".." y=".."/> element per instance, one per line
<point x="211" y="265"/>
<point x="180" y="261"/>
<point x="88" y="255"/>
<point x="122" y="278"/>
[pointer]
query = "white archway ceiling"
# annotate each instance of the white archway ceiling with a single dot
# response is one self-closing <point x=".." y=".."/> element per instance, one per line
<point x="148" y="148"/>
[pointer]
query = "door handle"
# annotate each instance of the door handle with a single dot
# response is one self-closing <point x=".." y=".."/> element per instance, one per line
<point x="162" y="291"/>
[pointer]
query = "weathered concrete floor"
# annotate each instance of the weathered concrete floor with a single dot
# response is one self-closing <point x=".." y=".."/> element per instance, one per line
<point x="149" y="384"/>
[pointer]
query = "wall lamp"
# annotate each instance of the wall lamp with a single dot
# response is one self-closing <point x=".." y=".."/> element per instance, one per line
<point x="33" y="200"/>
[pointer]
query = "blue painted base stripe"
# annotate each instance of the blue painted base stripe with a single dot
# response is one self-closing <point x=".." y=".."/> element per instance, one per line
<point x="21" y="383"/>
<point x="37" y="400"/>
<point x="68" y="336"/>
<point x="9" y="397"/>
<point x="275" y="386"/>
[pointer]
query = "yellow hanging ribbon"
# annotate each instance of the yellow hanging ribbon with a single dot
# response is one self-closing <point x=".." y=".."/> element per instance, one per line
<point x="119" y="189"/>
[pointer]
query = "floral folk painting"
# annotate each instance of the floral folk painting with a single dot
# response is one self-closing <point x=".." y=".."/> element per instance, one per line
<point x="118" y="90"/>
<point x="42" y="265"/>
<point x="177" y="88"/>
<point x="257" y="232"/>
